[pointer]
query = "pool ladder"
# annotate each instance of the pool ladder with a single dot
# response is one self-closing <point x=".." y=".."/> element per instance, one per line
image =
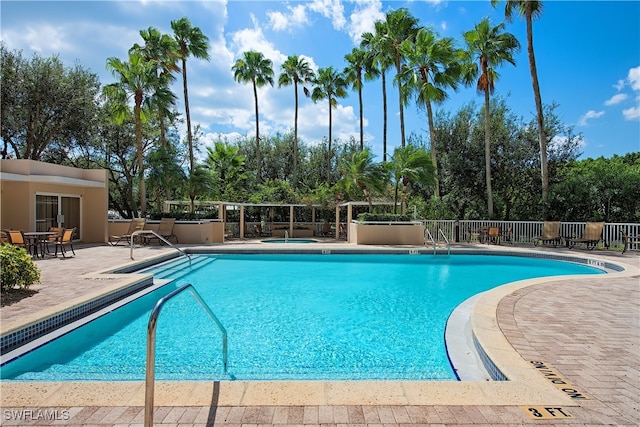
<point x="441" y="233"/>
<point x="138" y="232"/>
<point x="151" y="346"/>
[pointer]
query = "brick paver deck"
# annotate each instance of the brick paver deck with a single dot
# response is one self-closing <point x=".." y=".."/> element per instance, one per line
<point x="587" y="330"/>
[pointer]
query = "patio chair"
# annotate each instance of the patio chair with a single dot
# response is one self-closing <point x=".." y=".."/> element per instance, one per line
<point x="628" y="240"/>
<point x="493" y="235"/>
<point x="326" y="229"/>
<point x="165" y="230"/>
<point x="550" y="234"/>
<point x="135" y="225"/>
<point x="505" y="236"/>
<point x="65" y="239"/>
<point x="591" y="236"/>
<point x="16" y="238"/>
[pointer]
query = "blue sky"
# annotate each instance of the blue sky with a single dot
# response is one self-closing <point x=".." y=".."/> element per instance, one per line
<point x="587" y="52"/>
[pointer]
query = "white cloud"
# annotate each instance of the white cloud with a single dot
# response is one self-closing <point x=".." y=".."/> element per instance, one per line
<point x="332" y="9"/>
<point x="634" y="78"/>
<point x="619" y="86"/>
<point x="363" y="18"/>
<point x="616" y="99"/>
<point x="254" y="39"/>
<point x="588" y="116"/>
<point x="632" y="113"/>
<point x="296" y="18"/>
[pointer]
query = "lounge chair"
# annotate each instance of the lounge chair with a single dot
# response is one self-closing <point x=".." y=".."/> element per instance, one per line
<point x="628" y="240"/>
<point x="591" y="236"/>
<point x="326" y="230"/>
<point x="65" y="239"/>
<point x="550" y="234"/>
<point x="135" y="225"/>
<point x="165" y="230"/>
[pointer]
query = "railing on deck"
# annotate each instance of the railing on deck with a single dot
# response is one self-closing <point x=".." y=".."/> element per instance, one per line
<point x="526" y="231"/>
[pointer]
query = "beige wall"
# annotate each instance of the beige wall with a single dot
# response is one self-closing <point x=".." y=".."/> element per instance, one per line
<point x="200" y="232"/>
<point x="397" y="234"/>
<point x="21" y="180"/>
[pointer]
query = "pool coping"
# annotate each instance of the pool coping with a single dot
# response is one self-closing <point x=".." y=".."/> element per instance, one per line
<point x="526" y="386"/>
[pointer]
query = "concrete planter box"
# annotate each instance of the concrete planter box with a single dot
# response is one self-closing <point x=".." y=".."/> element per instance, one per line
<point x="386" y="233"/>
<point x="194" y="232"/>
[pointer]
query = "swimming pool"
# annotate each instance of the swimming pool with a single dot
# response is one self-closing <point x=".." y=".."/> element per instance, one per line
<point x="332" y="317"/>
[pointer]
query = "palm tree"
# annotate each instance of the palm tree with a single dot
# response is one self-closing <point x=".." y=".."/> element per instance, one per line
<point x="194" y="43"/>
<point x="490" y="47"/>
<point x="360" y="172"/>
<point x="224" y="160"/>
<point x="400" y="26"/>
<point x="163" y="51"/>
<point x="372" y="43"/>
<point x="530" y="10"/>
<point x="359" y="68"/>
<point x="432" y="67"/>
<point x="257" y="70"/>
<point x="295" y="70"/>
<point x="329" y="84"/>
<point x="137" y="79"/>
<point x="409" y="164"/>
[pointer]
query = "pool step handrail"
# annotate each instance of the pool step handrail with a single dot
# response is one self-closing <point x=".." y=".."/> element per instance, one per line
<point x="151" y="346"/>
<point x="446" y="240"/>
<point x="138" y="232"/>
<point x="428" y="233"/>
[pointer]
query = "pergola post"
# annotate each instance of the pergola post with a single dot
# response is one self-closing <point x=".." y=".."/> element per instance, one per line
<point x="241" y="231"/>
<point x="291" y="221"/>
<point x="337" y="222"/>
<point x="349" y="218"/>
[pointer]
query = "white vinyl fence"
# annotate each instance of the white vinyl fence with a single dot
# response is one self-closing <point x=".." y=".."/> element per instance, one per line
<point x="526" y="231"/>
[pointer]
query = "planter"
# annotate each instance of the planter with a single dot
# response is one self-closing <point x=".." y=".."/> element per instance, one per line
<point x="198" y="232"/>
<point x="386" y="233"/>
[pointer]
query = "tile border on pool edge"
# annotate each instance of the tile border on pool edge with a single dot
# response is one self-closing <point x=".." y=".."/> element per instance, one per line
<point x="22" y="336"/>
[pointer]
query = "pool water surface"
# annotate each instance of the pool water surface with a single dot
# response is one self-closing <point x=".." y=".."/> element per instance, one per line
<point x="300" y="317"/>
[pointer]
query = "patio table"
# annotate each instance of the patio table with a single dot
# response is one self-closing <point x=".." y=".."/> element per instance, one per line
<point x="39" y="240"/>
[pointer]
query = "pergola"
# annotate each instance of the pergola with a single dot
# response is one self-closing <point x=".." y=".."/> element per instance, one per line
<point x="223" y="207"/>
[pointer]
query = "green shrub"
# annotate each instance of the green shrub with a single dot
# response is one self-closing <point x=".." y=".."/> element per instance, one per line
<point x="17" y="269"/>
<point x="382" y="217"/>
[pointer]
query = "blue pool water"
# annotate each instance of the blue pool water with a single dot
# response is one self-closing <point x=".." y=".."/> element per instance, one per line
<point x="323" y="317"/>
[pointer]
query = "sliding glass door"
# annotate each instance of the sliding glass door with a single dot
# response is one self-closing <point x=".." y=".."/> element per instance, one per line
<point x="56" y="210"/>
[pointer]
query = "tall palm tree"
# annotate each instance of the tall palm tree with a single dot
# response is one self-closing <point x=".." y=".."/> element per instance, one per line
<point x="409" y="164"/>
<point x="163" y="51"/>
<point x="137" y="79"/>
<point x="358" y="66"/>
<point x="400" y="26"/>
<point x="432" y="67"/>
<point x="372" y="43"/>
<point x="192" y="42"/>
<point x="530" y="10"/>
<point x="331" y="85"/>
<point x="360" y="172"/>
<point x="295" y="70"/>
<point x="254" y="68"/>
<point x="490" y="47"/>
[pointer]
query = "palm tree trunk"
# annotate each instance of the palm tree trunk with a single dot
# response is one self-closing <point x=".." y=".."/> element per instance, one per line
<point x="434" y="154"/>
<point x="141" y="184"/>
<point x="188" y="115"/>
<point x="258" y="157"/>
<point x="487" y="152"/>
<point x="384" y="126"/>
<point x="361" y="115"/>
<point x="295" y="139"/>
<point x="539" y="115"/>
<point x="329" y="151"/>
<point x="400" y="104"/>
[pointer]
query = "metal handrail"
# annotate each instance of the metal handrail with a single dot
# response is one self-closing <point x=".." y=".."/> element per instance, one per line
<point x="138" y="232"/>
<point x="446" y="240"/>
<point x="426" y="230"/>
<point x="151" y="346"/>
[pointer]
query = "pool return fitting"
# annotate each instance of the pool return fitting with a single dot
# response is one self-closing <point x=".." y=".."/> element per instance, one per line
<point x="151" y="345"/>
